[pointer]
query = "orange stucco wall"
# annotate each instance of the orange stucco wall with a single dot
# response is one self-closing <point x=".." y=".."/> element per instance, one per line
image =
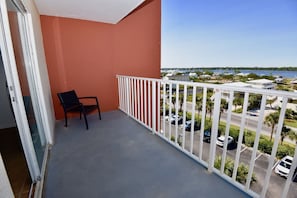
<point x="87" y="56"/>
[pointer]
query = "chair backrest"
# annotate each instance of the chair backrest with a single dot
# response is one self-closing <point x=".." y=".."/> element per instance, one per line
<point x="68" y="99"/>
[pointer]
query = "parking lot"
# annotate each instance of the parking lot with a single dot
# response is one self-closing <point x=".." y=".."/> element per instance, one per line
<point x="277" y="182"/>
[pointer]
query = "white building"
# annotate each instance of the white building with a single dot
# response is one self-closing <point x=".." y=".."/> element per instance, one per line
<point x="193" y="74"/>
<point x="226" y="95"/>
<point x="262" y="84"/>
<point x="279" y="80"/>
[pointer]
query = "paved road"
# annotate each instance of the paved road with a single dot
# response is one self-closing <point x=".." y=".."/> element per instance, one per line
<point x="276" y="182"/>
<point x="250" y="124"/>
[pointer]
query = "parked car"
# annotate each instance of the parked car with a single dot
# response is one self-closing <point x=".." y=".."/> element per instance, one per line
<point x="179" y="119"/>
<point x="188" y="125"/>
<point x="284" y="165"/>
<point x="221" y="140"/>
<point x="207" y="135"/>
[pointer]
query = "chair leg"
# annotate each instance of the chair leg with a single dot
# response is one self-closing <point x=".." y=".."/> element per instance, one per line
<point x="85" y="117"/>
<point x="99" y="113"/>
<point x="65" y="115"/>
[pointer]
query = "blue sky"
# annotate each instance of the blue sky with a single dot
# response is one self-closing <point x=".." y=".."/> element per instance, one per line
<point x="229" y="33"/>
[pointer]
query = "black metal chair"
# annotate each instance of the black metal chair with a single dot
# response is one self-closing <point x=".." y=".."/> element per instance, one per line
<point x="71" y="103"/>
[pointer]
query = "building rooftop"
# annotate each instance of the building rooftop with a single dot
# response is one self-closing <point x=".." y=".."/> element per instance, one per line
<point x="238" y="84"/>
<point x="260" y="81"/>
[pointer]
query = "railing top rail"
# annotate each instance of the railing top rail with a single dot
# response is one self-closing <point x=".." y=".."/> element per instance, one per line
<point x="222" y="87"/>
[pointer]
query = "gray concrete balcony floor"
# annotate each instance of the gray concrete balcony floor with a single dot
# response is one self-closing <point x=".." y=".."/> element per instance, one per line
<point x="117" y="157"/>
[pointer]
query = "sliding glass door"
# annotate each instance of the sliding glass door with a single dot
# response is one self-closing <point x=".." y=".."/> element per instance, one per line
<point x="20" y="77"/>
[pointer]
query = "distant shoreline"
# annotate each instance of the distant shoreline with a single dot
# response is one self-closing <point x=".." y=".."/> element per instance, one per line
<point x="235" y="68"/>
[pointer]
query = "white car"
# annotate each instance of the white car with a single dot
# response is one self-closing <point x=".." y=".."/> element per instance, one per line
<point x="173" y="117"/>
<point x="221" y="140"/>
<point x="283" y="167"/>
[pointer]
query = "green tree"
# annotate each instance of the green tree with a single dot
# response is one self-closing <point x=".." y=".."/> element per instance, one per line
<point x="209" y="107"/>
<point x="253" y="76"/>
<point x="173" y="100"/>
<point x="254" y="101"/>
<point x="270" y="102"/>
<point x="223" y="107"/>
<point x="180" y="100"/>
<point x="208" y="72"/>
<point x="285" y="132"/>
<point x="293" y="135"/>
<point x="242" y="171"/>
<point x="289" y="114"/>
<point x="238" y="101"/>
<point x="199" y="99"/>
<point x="271" y="120"/>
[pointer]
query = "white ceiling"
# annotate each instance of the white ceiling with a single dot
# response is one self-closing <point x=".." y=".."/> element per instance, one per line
<point x="106" y="11"/>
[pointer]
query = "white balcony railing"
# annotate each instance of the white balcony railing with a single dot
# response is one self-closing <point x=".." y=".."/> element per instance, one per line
<point x="152" y="102"/>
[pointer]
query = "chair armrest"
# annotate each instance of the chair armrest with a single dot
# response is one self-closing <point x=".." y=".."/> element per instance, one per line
<point x="90" y="97"/>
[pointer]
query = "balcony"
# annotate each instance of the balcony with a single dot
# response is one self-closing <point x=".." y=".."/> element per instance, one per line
<point x="118" y="157"/>
<point x="140" y="152"/>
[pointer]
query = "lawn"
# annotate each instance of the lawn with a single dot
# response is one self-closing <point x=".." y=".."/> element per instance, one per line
<point x="291" y="123"/>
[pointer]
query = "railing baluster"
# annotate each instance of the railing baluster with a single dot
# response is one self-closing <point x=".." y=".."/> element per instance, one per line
<point x="128" y="96"/>
<point x="159" y="107"/>
<point x="125" y="95"/>
<point x="154" y="106"/>
<point x="214" y="129"/>
<point x="145" y="101"/>
<point x="120" y="92"/>
<point x="229" y="114"/>
<point x="184" y="115"/>
<point x="242" y="126"/>
<point x="141" y="101"/>
<point x="122" y="96"/>
<point x="193" y="119"/>
<point x="135" y="99"/>
<point x="256" y="142"/>
<point x="290" y="176"/>
<point x="132" y="97"/>
<point x="149" y="105"/>
<point x="176" y="111"/>
<point x="203" y="114"/>
<point x="274" y="148"/>
<point x="138" y="99"/>
<point x="164" y="108"/>
<point x="170" y="110"/>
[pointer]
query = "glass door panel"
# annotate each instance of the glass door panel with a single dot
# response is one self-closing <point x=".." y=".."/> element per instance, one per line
<point x="22" y="57"/>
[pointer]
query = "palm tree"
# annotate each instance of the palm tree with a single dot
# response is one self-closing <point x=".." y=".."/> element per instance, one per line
<point x="199" y="104"/>
<point x="224" y="106"/>
<point x="293" y="135"/>
<point x="271" y="120"/>
<point x="209" y="107"/>
<point x="238" y="101"/>
<point x="254" y="101"/>
<point x="173" y="100"/>
<point x="181" y="101"/>
<point x="270" y="102"/>
<point x="285" y="132"/>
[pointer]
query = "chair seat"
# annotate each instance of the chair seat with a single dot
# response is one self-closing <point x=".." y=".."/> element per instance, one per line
<point x="90" y="108"/>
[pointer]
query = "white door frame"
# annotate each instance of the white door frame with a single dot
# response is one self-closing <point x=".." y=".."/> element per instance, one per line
<point x="15" y="92"/>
